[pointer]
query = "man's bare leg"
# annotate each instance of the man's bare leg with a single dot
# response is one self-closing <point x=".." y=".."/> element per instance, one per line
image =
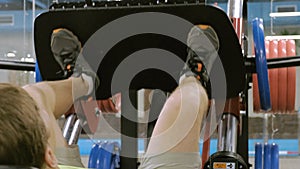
<point x="54" y="98"/>
<point x="175" y="139"/>
<point x="178" y="126"/>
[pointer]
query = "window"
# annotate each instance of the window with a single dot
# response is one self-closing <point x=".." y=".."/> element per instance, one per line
<point x="6" y="19"/>
<point x="286" y="8"/>
<point x="16" y="42"/>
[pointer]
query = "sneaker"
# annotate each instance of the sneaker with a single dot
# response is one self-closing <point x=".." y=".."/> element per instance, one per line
<point x="203" y="44"/>
<point x="65" y="47"/>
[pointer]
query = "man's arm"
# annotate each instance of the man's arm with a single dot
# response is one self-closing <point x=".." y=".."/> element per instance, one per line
<point x="57" y="96"/>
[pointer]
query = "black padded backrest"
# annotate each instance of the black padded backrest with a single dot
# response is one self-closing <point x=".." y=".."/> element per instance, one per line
<point x="85" y="22"/>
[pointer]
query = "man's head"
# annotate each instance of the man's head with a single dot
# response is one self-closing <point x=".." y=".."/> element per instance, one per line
<point x="23" y="135"/>
<point x="65" y="47"/>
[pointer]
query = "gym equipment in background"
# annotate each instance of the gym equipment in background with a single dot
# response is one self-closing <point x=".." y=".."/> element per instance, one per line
<point x="101" y="13"/>
<point x="96" y="16"/>
<point x="282" y="80"/>
<point x="261" y="64"/>
<point x="228" y="154"/>
<point x="105" y="155"/>
<point x="266" y="156"/>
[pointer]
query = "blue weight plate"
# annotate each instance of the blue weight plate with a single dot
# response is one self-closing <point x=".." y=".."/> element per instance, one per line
<point x="261" y="64"/>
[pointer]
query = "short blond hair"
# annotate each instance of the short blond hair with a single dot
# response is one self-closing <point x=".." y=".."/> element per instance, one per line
<point x="23" y="135"/>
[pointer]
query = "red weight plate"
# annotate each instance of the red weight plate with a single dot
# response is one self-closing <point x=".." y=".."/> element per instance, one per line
<point x="282" y="79"/>
<point x="291" y="76"/>
<point x="273" y="75"/>
<point x="256" y="101"/>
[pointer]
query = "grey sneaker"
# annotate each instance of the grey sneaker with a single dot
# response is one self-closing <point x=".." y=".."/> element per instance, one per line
<point x="65" y="47"/>
<point x="203" y="46"/>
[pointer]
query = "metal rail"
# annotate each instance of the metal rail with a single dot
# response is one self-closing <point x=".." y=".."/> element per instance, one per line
<point x="17" y="65"/>
<point x="273" y="63"/>
<point x="249" y="63"/>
